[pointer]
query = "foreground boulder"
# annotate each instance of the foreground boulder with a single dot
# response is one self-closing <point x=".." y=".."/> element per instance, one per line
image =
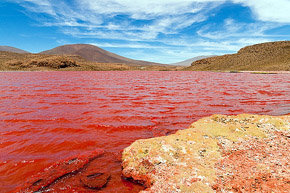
<point x="244" y="153"/>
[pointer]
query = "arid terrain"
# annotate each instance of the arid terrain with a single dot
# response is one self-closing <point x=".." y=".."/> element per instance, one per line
<point x="10" y="61"/>
<point x="12" y="49"/>
<point x="271" y="56"/>
<point x="95" y="54"/>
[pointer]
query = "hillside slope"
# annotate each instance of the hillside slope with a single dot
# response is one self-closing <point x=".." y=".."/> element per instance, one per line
<point x="94" y="54"/>
<point x="271" y="56"/>
<point x="10" y="61"/>
<point x="12" y="49"/>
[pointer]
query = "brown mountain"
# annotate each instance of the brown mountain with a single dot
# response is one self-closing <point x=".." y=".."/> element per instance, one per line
<point x="12" y="49"/>
<point x="10" y="61"/>
<point x="94" y="54"/>
<point x="271" y="56"/>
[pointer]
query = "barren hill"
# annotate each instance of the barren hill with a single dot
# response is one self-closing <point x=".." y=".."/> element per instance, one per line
<point x="12" y="49"/>
<point x="271" y="56"/>
<point x="94" y="54"/>
<point x="10" y="61"/>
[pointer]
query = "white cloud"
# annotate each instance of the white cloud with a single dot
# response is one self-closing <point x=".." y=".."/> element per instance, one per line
<point x="35" y="5"/>
<point x="84" y="18"/>
<point x="156" y="25"/>
<point x="146" y="9"/>
<point x="265" y="10"/>
<point x="269" y="10"/>
<point x="162" y="17"/>
<point x="234" y="29"/>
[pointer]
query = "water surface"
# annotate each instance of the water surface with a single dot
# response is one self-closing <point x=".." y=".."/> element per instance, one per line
<point x="50" y="116"/>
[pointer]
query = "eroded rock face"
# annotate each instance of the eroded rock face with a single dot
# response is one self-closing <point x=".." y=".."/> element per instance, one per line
<point x="243" y="153"/>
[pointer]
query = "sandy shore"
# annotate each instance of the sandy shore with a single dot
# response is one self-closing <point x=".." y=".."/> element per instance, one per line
<point x="267" y="72"/>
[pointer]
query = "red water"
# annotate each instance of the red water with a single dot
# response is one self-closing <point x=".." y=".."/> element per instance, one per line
<point x="50" y="116"/>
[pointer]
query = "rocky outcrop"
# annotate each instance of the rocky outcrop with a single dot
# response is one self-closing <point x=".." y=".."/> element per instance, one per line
<point x="243" y="153"/>
<point x="54" y="62"/>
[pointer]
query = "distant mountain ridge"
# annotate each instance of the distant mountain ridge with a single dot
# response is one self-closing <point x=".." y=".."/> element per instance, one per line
<point x="11" y="61"/>
<point x="188" y="62"/>
<point x="269" y="56"/>
<point x="12" y="49"/>
<point x="94" y="54"/>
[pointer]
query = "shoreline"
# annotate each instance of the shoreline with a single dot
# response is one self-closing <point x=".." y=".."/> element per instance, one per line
<point x="265" y="72"/>
<point x="232" y="71"/>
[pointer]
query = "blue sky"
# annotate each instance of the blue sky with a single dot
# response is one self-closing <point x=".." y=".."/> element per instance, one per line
<point x="164" y="31"/>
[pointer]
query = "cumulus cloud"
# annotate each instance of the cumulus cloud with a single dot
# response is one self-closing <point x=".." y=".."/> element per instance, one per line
<point x="269" y="10"/>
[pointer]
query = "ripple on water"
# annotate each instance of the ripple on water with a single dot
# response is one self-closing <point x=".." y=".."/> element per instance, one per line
<point x="46" y="117"/>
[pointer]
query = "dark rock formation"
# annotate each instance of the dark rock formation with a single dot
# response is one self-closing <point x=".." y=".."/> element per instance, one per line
<point x="80" y="173"/>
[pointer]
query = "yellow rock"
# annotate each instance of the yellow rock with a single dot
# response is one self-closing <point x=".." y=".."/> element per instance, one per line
<point x="186" y="161"/>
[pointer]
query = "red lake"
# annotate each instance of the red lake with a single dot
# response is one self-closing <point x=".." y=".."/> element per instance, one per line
<point x="46" y="117"/>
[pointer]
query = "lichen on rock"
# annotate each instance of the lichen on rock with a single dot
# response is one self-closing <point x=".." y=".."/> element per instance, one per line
<point x="242" y="153"/>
